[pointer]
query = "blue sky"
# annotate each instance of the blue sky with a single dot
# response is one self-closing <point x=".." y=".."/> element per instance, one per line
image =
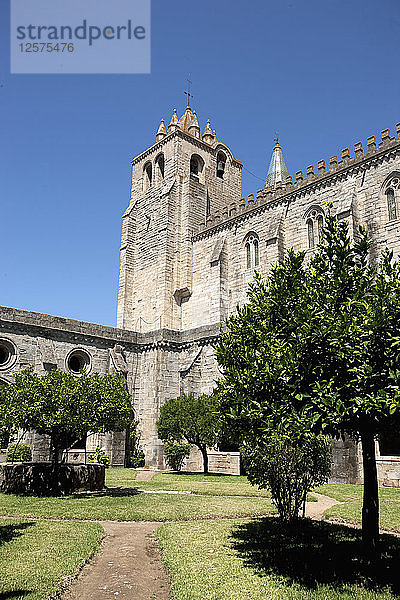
<point x="323" y="74"/>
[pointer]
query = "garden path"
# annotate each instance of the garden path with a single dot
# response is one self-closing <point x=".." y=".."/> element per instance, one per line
<point x="128" y="566"/>
<point x="315" y="510"/>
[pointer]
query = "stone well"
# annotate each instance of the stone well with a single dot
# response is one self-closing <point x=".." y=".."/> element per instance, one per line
<point x="38" y="478"/>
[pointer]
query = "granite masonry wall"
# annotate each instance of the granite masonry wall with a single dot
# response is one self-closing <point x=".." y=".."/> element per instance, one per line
<point x="184" y="268"/>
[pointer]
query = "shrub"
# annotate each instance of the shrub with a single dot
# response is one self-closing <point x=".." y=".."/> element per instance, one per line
<point x="18" y="452"/>
<point x="175" y="454"/>
<point x="288" y="469"/>
<point x="99" y="456"/>
<point x="137" y="459"/>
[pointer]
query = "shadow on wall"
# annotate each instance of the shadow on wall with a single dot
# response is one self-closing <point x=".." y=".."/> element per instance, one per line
<point x="313" y="553"/>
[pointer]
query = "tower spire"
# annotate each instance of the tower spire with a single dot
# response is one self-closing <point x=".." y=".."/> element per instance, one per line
<point x="277" y="171"/>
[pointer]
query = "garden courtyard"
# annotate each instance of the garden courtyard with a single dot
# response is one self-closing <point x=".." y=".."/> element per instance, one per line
<point x="192" y="537"/>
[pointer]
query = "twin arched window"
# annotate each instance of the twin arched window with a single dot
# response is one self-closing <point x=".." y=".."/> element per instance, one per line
<point x="252" y="251"/>
<point x="159" y="167"/>
<point x="147" y="176"/>
<point x="315" y="223"/>
<point x="392" y="194"/>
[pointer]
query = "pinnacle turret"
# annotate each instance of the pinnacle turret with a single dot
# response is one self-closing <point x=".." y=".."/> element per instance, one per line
<point x="174" y="122"/>
<point x="277" y="172"/>
<point x="194" y="128"/>
<point x="162" y="132"/>
<point x="208" y="135"/>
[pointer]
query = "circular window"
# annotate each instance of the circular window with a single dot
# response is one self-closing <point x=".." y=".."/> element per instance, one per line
<point x="77" y="361"/>
<point x="7" y="354"/>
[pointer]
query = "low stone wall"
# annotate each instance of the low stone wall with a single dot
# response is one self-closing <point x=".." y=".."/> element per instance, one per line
<point x="38" y="478"/>
<point x="388" y="471"/>
<point x="225" y="463"/>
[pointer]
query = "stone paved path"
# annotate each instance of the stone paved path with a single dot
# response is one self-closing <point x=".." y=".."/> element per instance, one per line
<point x="144" y="475"/>
<point x="315" y="510"/>
<point x="128" y="566"/>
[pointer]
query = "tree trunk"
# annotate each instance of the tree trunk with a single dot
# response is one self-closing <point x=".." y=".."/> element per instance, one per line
<point x="203" y="450"/>
<point x="55" y="459"/>
<point x="370" y="511"/>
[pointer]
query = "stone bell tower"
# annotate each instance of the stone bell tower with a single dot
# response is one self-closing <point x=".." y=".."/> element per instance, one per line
<point x="176" y="183"/>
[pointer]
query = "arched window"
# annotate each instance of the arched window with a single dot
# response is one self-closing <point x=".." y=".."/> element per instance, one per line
<point x="391" y="203"/>
<point x="160" y="165"/>
<point x="392" y="192"/>
<point x="221" y="162"/>
<point x="196" y="167"/>
<point x="320" y="223"/>
<point x="311" y="238"/>
<point x="314" y="223"/>
<point x="147" y="176"/>
<point x="252" y="252"/>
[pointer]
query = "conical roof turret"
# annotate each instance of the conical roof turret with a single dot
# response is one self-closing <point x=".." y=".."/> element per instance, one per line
<point x="162" y="132"/>
<point x="194" y="128"/>
<point x="277" y="171"/>
<point x="174" y="121"/>
<point x="208" y="135"/>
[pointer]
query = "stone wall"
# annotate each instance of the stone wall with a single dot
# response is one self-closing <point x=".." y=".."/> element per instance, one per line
<point x="158" y="365"/>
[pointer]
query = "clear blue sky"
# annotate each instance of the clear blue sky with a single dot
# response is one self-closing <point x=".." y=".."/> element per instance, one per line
<point x="324" y="74"/>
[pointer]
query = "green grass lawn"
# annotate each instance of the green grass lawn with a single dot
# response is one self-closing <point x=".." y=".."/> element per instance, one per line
<point x="351" y="495"/>
<point x="134" y="507"/>
<point x="35" y="556"/>
<point x="197" y="483"/>
<point x="260" y="560"/>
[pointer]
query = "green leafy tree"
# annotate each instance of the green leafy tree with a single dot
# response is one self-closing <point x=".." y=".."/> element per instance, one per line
<point x="317" y="348"/>
<point x="66" y="407"/>
<point x="288" y="468"/>
<point x="190" y="418"/>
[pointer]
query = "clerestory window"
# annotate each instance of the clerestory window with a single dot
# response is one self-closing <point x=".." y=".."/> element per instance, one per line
<point x="392" y="193"/>
<point x="314" y="223"/>
<point x="252" y="252"/>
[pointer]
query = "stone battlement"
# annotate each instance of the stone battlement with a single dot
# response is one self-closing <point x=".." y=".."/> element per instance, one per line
<point x="284" y="193"/>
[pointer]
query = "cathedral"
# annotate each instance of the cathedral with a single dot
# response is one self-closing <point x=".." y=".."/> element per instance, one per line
<point x="190" y="245"/>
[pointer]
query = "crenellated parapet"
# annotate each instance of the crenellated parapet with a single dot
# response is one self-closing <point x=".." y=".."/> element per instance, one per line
<point x="322" y="175"/>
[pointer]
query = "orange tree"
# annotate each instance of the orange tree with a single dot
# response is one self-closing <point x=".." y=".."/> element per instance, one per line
<point x="65" y="407"/>
<point x="194" y="419"/>
<point x="316" y="348"/>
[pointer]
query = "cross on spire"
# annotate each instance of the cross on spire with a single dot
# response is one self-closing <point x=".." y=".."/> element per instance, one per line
<point x="188" y="94"/>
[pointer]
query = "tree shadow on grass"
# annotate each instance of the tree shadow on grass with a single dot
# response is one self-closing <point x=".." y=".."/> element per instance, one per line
<point x="13" y="595"/>
<point x="114" y="492"/>
<point x="313" y="553"/>
<point x="9" y="531"/>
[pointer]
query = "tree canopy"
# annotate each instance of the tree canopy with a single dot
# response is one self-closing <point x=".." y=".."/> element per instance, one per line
<point x="316" y="348"/>
<point x="64" y="406"/>
<point x="190" y="418"/>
